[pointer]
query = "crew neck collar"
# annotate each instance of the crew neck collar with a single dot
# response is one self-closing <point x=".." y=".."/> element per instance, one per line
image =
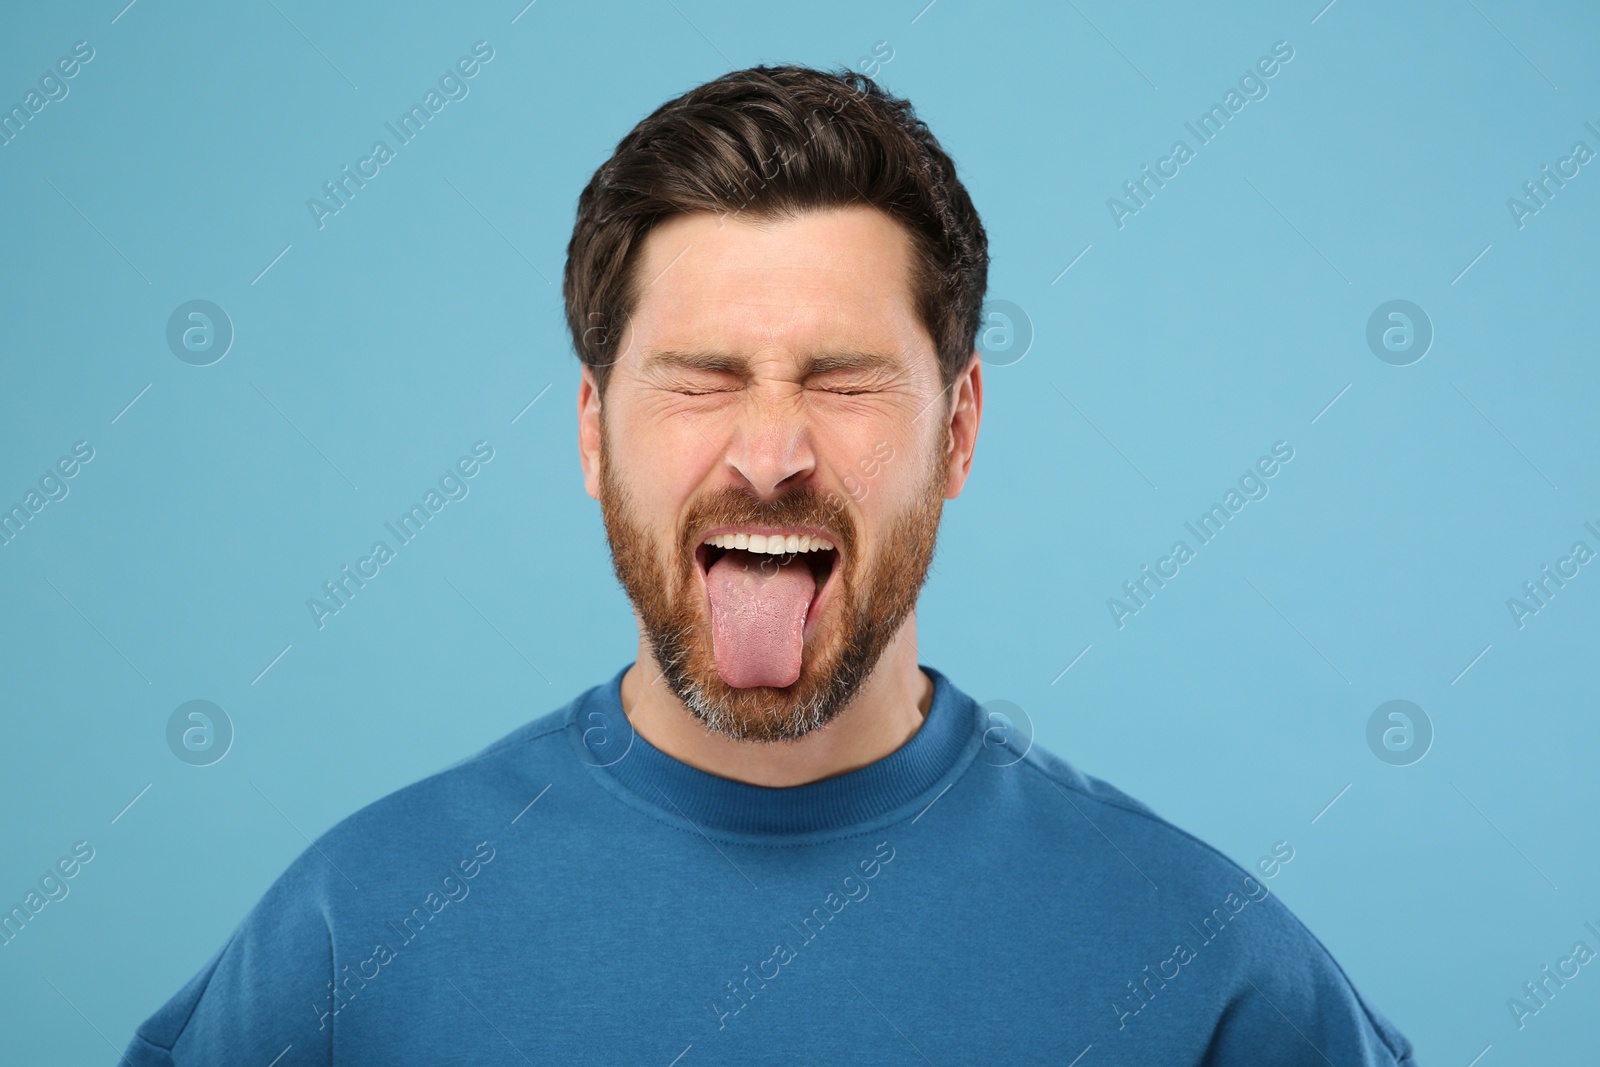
<point x="907" y="778"/>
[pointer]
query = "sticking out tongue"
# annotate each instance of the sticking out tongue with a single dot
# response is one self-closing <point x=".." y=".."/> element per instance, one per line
<point x="758" y="617"/>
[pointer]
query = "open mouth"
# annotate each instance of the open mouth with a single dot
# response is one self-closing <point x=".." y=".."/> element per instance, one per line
<point x="768" y="551"/>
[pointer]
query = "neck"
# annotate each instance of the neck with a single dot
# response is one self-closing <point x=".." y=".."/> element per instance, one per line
<point x="886" y="712"/>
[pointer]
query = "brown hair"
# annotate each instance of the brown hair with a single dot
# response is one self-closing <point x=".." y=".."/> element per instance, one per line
<point x="773" y="142"/>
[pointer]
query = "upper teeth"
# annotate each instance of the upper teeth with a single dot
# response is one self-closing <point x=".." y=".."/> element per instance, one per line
<point x="773" y="544"/>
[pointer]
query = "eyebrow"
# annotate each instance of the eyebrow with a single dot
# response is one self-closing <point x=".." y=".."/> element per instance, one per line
<point x="726" y="363"/>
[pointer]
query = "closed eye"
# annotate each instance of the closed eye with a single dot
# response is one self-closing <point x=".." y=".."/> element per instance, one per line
<point x="700" y="385"/>
<point x="853" y="385"/>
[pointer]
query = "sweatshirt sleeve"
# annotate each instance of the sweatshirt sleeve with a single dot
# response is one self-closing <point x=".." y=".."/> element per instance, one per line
<point x="263" y="998"/>
<point x="1293" y="1006"/>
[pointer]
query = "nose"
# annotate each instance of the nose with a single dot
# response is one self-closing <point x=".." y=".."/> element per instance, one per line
<point x="771" y="450"/>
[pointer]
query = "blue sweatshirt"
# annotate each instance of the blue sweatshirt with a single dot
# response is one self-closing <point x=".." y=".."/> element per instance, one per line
<point x="572" y="894"/>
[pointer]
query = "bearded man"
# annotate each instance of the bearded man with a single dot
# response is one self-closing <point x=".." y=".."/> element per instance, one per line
<point x="775" y="837"/>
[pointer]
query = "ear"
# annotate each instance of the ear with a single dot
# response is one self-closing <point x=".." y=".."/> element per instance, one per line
<point x="589" y="431"/>
<point x="966" y="410"/>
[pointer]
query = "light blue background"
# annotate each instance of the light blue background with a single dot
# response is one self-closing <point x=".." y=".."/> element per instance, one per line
<point x="426" y="315"/>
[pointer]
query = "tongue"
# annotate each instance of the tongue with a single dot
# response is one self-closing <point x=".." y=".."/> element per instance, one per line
<point x="758" y="617"/>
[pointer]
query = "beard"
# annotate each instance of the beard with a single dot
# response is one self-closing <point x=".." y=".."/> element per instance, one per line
<point x="870" y="599"/>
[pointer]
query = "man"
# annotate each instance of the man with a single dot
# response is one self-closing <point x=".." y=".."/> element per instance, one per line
<point x="775" y="837"/>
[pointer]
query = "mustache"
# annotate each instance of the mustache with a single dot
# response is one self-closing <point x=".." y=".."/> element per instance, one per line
<point x="733" y="506"/>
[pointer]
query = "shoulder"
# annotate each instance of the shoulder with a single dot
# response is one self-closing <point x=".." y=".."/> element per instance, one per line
<point x="421" y="843"/>
<point x="474" y="799"/>
<point x="1189" y="861"/>
<point x="1176" y="872"/>
<point x="422" y="825"/>
<point x="1068" y="806"/>
<point x="1206" y="905"/>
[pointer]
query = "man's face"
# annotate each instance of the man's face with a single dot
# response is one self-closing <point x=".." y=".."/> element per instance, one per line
<point x="774" y="385"/>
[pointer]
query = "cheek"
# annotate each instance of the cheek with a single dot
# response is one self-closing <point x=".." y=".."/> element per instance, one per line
<point x="660" y="458"/>
<point x="896" y="453"/>
<point x="877" y="476"/>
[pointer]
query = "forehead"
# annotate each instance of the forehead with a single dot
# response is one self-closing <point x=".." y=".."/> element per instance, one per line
<point x="828" y="277"/>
